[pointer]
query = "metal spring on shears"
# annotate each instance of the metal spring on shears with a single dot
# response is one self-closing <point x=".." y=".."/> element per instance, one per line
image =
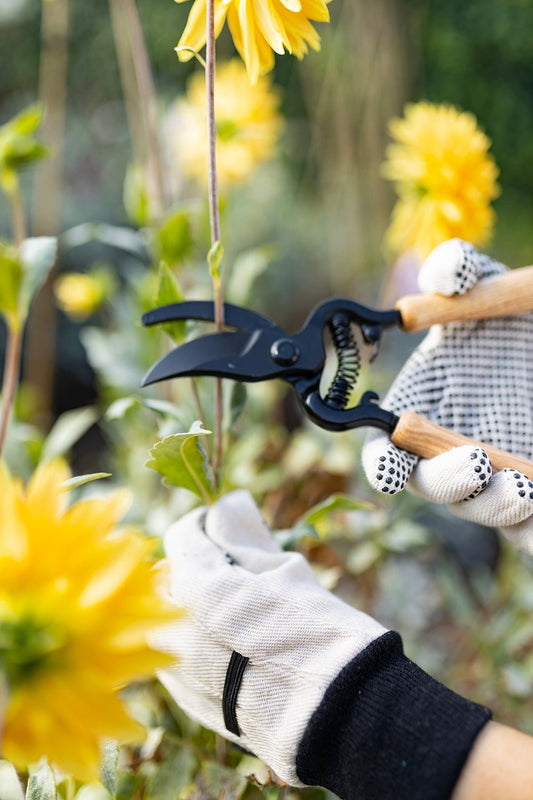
<point x="348" y="361"/>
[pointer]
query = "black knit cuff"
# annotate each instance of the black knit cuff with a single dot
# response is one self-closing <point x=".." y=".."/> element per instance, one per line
<point x="385" y="730"/>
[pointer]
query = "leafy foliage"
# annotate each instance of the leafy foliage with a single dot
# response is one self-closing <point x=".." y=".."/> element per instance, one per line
<point x="181" y="459"/>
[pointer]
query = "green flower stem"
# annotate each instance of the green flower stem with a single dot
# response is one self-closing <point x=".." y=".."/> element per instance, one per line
<point x="14" y="331"/>
<point x="214" y="218"/>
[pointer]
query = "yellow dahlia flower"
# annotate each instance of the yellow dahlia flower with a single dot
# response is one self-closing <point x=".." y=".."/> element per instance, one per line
<point x="247" y="120"/>
<point x="444" y="176"/>
<point x="259" y="29"/>
<point x="78" y="597"/>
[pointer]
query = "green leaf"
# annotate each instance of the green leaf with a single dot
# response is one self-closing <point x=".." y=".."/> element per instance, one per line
<point x="163" y="407"/>
<point x="10" y="281"/>
<point x="171" y="776"/>
<point x="18" y="146"/>
<point x="245" y="270"/>
<point x="109" y="765"/>
<point x="38" y="257"/>
<point x="318" y="516"/>
<point x="68" y="428"/>
<point x="135" y="196"/>
<point x="221" y="781"/>
<point x="403" y="536"/>
<point x="363" y="557"/>
<point x="122" y="238"/>
<point x="214" y="259"/>
<point x="128" y="786"/>
<point x="10" y="788"/>
<point x="120" y="408"/>
<point x="238" y="398"/>
<point x="41" y="785"/>
<point x="168" y="291"/>
<point x="26" y="121"/>
<point x="254" y="768"/>
<point x="81" y="480"/>
<point x="182" y="461"/>
<point x="174" y="237"/>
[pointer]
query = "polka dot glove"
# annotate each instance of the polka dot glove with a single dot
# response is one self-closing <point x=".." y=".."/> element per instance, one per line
<point x="244" y="595"/>
<point x="475" y="378"/>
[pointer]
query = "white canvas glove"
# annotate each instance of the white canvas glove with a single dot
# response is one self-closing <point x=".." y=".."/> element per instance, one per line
<point x="244" y="594"/>
<point x="475" y="378"/>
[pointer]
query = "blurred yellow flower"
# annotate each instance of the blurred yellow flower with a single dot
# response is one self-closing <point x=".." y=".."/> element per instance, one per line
<point x="259" y="29"/>
<point x="80" y="294"/>
<point x="247" y="119"/>
<point x="445" y="179"/>
<point x="78" y="598"/>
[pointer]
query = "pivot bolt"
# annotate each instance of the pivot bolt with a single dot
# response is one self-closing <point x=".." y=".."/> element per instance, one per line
<point x="284" y="352"/>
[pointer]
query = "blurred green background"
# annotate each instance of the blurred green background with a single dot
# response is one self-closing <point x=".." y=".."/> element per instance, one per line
<point x="317" y="216"/>
<point x="307" y="225"/>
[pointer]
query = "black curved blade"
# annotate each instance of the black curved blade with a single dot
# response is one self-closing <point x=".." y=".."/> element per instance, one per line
<point x="233" y="354"/>
<point x="234" y="316"/>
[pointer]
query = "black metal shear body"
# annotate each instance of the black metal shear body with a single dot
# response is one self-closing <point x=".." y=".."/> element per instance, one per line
<point x="260" y="350"/>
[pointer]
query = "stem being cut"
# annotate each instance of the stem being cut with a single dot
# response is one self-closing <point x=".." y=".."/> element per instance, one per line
<point x="214" y="218"/>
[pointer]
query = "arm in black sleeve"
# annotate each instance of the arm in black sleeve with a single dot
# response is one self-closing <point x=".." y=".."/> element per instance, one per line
<point x="385" y="730"/>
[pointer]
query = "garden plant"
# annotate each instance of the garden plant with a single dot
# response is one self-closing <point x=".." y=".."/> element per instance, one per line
<point x="273" y="159"/>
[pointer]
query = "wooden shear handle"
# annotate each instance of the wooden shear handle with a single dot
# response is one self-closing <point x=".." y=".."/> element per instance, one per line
<point x="427" y="439"/>
<point x="502" y="296"/>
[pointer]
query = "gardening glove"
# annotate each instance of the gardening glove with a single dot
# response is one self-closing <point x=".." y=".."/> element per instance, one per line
<point x="475" y="378"/>
<point x="275" y="663"/>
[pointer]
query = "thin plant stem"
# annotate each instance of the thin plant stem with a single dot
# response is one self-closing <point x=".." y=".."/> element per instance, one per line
<point x="10" y="379"/>
<point x="18" y="216"/>
<point x="214" y="217"/>
<point x="41" y="334"/>
<point x="14" y="332"/>
<point x="128" y="81"/>
<point x="196" y="398"/>
<point x="127" y="12"/>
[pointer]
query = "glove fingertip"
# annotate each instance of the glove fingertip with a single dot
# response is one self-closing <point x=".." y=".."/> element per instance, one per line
<point x="388" y="469"/>
<point x="451" y="268"/>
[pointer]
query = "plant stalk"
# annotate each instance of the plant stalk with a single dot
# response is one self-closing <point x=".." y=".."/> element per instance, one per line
<point x="214" y="217"/>
<point x="41" y="333"/>
<point x="14" y="332"/>
<point x="10" y="379"/>
<point x="146" y="100"/>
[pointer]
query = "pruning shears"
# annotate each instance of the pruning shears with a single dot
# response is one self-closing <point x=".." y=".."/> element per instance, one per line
<point x="257" y="350"/>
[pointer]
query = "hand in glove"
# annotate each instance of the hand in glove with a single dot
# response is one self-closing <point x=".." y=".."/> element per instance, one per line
<point x="475" y="378"/>
<point x="318" y="690"/>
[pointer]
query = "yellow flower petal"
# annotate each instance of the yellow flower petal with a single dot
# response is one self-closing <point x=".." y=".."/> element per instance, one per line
<point x="78" y="600"/>
<point x="13" y="542"/>
<point x="194" y="35"/>
<point x="45" y="493"/>
<point x="248" y="122"/>
<point x="259" y="28"/>
<point x="444" y="176"/>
